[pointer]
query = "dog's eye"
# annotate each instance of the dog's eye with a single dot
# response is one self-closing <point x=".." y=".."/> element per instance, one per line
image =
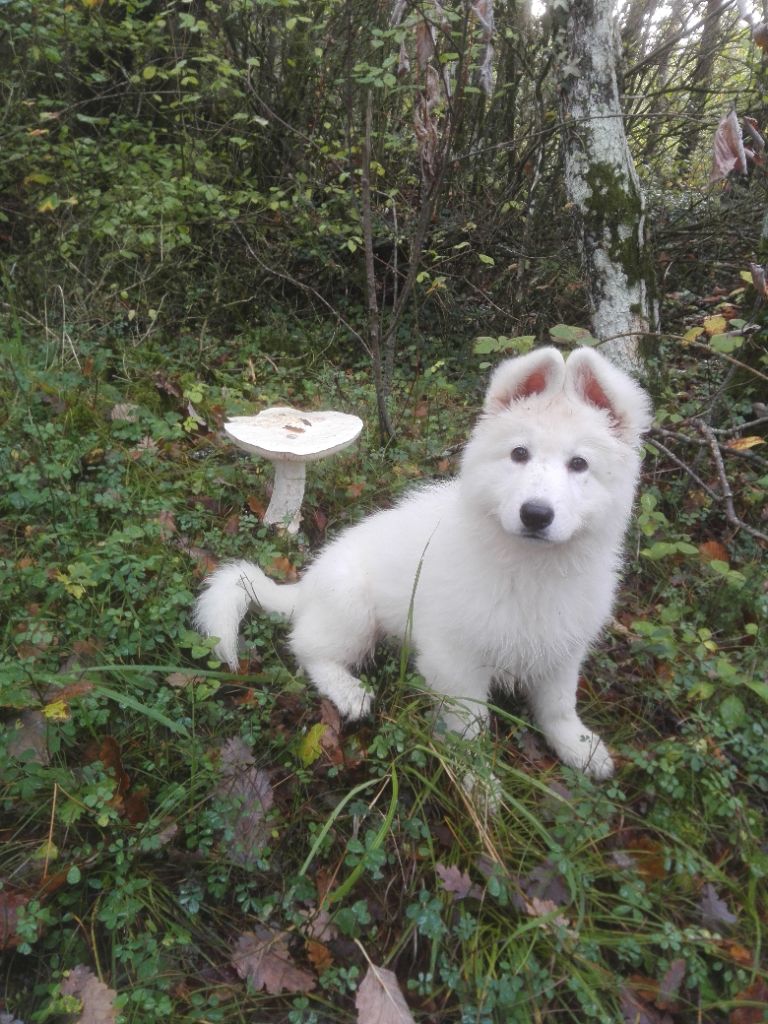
<point x="577" y="464"/>
<point x="520" y="454"/>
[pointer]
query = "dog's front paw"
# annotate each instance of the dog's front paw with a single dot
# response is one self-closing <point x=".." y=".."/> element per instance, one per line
<point x="354" y="705"/>
<point x="486" y="791"/>
<point x="582" y="749"/>
<point x="599" y="764"/>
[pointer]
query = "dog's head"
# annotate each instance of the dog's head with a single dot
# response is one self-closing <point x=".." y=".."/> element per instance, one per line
<point x="556" y="452"/>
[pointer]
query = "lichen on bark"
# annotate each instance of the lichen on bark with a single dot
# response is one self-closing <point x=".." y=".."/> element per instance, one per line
<point x="602" y="183"/>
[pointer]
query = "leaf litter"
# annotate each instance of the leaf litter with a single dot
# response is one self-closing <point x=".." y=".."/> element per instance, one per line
<point x="261" y="957"/>
<point x="248" y="796"/>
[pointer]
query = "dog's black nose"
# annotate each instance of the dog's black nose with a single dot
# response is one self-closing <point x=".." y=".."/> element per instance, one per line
<point x="535" y="515"/>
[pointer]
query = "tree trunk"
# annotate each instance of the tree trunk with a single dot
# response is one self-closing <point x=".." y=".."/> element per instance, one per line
<point x="709" y="47"/>
<point x="603" y="186"/>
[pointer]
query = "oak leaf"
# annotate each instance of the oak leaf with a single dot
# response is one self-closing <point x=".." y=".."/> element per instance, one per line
<point x="261" y="957"/>
<point x="715" y="912"/>
<point x="457" y="882"/>
<point x="248" y="796"/>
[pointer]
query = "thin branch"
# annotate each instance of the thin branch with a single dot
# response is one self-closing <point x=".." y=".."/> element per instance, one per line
<point x="727" y="495"/>
<point x="728" y="359"/>
<point x="683" y="465"/>
<point x="381" y="383"/>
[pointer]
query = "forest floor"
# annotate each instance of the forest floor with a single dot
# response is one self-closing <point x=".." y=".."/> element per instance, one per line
<point x="187" y="844"/>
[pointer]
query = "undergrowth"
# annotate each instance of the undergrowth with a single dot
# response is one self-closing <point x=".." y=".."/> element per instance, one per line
<point x="157" y="809"/>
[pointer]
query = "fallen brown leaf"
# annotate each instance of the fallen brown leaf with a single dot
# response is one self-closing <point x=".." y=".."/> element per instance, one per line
<point x="713" y="550"/>
<point x="248" y="793"/>
<point x="261" y="957"/>
<point x="10" y="904"/>
<point x="756" y="996"/>
<point x="379" y="999"/>
<point x="97" y="999"/>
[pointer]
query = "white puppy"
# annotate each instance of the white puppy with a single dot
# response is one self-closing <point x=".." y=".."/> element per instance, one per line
<point x="507" y="572"/>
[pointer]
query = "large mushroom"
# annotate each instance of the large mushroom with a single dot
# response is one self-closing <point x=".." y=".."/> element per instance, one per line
<point x="290" y="438"/>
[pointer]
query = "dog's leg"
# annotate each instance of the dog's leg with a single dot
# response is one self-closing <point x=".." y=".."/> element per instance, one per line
<point x="464" y="685"/>
<point x="553" y="703"/>
<point x="337" y="683"/>
<point x="331" y="634"/>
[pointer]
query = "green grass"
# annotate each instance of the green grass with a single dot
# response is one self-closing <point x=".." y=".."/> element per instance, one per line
<point x="122" y="845"/>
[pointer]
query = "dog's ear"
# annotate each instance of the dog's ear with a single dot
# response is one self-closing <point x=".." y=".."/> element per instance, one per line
<point x="591" y="378"/>
<point x="540" y="372"/>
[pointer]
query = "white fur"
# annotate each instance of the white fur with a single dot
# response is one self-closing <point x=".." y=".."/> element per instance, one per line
<point x="454" y="569"/>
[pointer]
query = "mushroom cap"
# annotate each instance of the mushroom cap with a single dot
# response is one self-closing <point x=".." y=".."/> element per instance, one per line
<point x="285" y="433"/>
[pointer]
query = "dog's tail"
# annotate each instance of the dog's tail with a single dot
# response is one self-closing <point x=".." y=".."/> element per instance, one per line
<point x="228" y="594"/>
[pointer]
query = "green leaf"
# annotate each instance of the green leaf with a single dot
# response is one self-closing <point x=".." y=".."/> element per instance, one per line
<point x="761" y="689"/>
<point x="483" y="346"/>
<point x="579" y="335"/>
<point x="73" y="875"/>
<point x="726" y="343"/>
<point x="733" y="712"/>
<point x="489" y="260"/>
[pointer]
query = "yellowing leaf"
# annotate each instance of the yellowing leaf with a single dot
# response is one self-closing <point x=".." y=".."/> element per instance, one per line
<point x="37" y="178"/>
<point x="745" y="276"/>
<point x="715" y="325"/>
<point x="57" y="711"/>
<point x="311" y="747"/>
<point x="49" y="204"/>
<point x="47" y="851"/>
<point x="741" y="444"/>
<point x="691" y="335"/>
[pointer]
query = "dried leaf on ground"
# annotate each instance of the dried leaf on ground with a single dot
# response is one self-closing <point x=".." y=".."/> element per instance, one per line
<point x="379" y="999"/>
<point x="124" y="412"/>
<point x="28" y="741"/>
<point x="181" y="680"/>
<point x="166" y="523"/>
<point x="248" y="795"/>
<point x="319" y="955"/>
<point x="319" y="925"/>
<point x="261" y="957"/>
<point x="98" y="1000"/>
<point x="457" y="882"/>
<point x="715" y="912"/>
<point x="669" y="986"/>
<point x="536" y="907"/>
<point x="10" y="904"/>
<point x="635" y="1011"/>
<point x="713" y="551"/>
<point x="546" y="883"/>
<point x="756" y="996"/>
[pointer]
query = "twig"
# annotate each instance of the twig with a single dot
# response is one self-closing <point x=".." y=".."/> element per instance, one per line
<point x="727" y="358"/>
<point x="683" y="465"/>
<point x="380" y="380"/>
<point x="727" y="495"/>
<point x="740" y="426"/>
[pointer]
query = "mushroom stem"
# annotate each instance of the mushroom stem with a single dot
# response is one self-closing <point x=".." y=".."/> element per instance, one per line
<point x="287" y="494"/>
